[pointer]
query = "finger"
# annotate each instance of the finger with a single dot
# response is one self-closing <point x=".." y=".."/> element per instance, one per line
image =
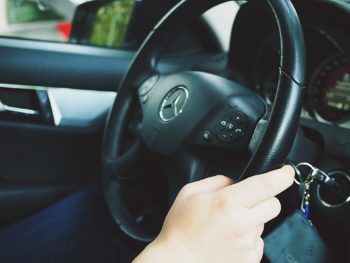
<point x="209" y="184"/>
<point x="259" y="250"/>
<point x="259" y="188"/>
<point x="247" y="241"/>
<point x="255" y="254"/>
<point x="265" y="211"/>
<point x="260" y="230"/>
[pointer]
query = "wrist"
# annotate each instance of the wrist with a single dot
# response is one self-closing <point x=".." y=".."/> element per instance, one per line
<point x="169" y="251"/>
<point x="153" y="253"/>
<point x="176" y="249"/>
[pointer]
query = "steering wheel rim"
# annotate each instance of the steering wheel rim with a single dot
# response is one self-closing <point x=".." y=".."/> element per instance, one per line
<point x="271" y="140"/>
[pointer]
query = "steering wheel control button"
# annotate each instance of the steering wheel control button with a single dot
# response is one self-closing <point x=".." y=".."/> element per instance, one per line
<point x="148" y="85"/>
<point x="223" y="123"/>
<point x="238" y="118"/>
<point x="224" y="136"/>
<point x="173" y="103"/>
<point x="230" y="126"/>
<point x="208" y="135"/>
<point x="239" y="131"/>
<point x="237" y="134"/>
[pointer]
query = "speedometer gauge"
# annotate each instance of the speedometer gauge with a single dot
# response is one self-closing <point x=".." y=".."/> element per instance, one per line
<point x="329" y="90"/>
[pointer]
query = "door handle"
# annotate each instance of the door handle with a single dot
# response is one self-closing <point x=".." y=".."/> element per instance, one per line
<point x="6" y="108"/>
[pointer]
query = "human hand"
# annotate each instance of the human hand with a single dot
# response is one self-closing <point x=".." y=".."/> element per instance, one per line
<point x="214" y="220"/>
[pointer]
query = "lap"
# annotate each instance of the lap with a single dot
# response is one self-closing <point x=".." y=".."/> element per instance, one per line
<point x="75" y="229"/>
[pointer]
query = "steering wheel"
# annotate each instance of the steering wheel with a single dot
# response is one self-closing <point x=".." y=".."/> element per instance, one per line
<point x="190" y="118"/>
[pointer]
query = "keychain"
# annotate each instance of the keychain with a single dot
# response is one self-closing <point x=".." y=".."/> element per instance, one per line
<point x="315" y="174"/>
<point x="296" y="238"/>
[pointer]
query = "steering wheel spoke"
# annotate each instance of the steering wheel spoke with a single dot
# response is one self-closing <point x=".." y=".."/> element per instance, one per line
<point x="190" y="164"/>
<point x="182" y="167"/>
<point x="134" y="162"/>
<point x="137" y="181"/>
<point x="137" y="171"/>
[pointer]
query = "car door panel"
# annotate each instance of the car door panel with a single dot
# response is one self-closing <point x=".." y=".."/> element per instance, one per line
<point x="43" y="161"/>
<point x="41" y="154"/>
<point x="51" y="64"/>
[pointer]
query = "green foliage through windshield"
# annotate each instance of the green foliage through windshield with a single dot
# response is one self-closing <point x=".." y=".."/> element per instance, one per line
<point x="111" y="23"/>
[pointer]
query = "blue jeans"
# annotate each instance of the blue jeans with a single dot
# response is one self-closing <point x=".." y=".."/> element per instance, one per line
<point x="78" y="228"/>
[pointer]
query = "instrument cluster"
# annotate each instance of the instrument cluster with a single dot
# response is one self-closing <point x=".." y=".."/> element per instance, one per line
<point x="328" y="92"/>
<point x="327" y="89"/>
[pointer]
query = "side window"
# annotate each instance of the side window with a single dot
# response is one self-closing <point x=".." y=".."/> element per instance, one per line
<point x="108" y="21"/>
<point x="33" y="20"/>
<point x="28" y="11"/>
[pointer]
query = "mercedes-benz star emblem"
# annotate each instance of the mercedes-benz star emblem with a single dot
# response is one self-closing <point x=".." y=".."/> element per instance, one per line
<point x="173" y="103"/>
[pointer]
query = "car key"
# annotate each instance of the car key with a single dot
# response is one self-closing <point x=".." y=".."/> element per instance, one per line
<point x="315" y="174"/>
<point x="305" y="183"/>
<point x="321" y="176"/>
<point x="331" y="184"/>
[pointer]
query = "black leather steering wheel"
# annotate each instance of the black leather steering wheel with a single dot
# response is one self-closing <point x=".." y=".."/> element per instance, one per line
<point x="190" y="116"/>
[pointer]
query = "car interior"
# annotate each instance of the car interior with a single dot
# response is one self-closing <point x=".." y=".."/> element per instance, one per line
<point x="185" y="90"/>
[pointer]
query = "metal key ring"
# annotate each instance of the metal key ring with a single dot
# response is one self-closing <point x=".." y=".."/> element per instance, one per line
<point x="298" y="173"/>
